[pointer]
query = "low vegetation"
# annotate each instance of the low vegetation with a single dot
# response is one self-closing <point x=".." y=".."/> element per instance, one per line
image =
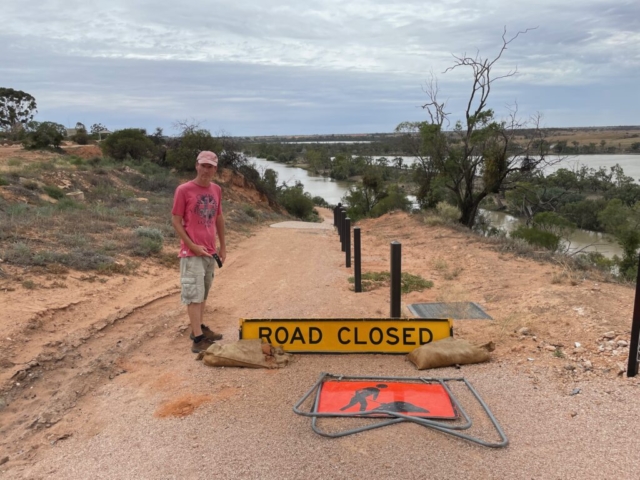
<point x="409" y="282"/>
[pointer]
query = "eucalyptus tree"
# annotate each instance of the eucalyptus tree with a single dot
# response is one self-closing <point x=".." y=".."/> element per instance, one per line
<point x="480" y="154"/>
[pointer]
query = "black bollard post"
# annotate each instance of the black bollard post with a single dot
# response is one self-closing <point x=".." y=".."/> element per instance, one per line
<point x="396" y="278"/>
<point x="632" y="367"/>
<point x="339" y="220"/>
<point x="357" y="266"/>
<point x="335" y="211"/>
<point x="347" y="242"/>
<point x="344" y="228"/>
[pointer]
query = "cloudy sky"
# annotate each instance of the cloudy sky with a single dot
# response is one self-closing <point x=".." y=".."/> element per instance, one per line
<point x="277" y="67"/>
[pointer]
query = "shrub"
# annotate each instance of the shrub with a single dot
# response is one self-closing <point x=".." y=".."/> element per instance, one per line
<point x="250" y="211"/>
<point x="320" y="202"/>
<point x="162" y="182"/>
<point x="54" y="191"/>
<point x="147" y="241"/>
<point x="183" y="153"/>
<point x="69" y="204"/>
<point x="19" y="253"/>
<point x="81" y="137"/>
<point x="537" y="237"/>
<point x="3" y="181"/>
<point x="409" y="282"/>
<point x="447" y="211"/>
<point x="396" y="199"/>
<point x="554" y="223"/>
<point x="152" y="233"/>
<point x="43" y="135"/>
<point x="296" y="201"/>
<point x="129" y="142"/>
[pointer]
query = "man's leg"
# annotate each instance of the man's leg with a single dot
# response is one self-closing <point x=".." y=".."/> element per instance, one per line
<point x="192" y="277"/>
<point x="195" y="311"/>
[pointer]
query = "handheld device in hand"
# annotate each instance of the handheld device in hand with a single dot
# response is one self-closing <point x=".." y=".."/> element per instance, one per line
<point x="217" y="259"/>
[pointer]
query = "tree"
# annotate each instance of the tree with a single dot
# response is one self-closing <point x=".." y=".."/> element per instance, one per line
<point x="98" y="129"/>
<point x="623" y="223"/>
<point x="81" y="137"/>
<point x="128" y="142"/>
<point x="17" y="108"/>
<point x="183" y="151"/>
<point x="481" y="153"/>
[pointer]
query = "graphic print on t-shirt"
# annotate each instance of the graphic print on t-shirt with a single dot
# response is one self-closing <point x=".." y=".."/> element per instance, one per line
<point x="206" y="207"/>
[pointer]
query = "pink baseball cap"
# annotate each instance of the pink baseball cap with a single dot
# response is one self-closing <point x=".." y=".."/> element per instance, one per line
<point x="208" y="157"/>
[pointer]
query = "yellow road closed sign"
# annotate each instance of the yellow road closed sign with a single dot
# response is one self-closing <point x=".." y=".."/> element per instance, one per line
<point x="347" y="335"/>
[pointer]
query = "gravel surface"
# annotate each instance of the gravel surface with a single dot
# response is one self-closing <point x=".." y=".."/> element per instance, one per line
<point x="239" y="423"/>
<point x="255" y="434"/>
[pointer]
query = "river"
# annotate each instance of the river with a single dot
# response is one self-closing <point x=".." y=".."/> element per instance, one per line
<point x="629" y="163"/>
<point x="333" y="191"/>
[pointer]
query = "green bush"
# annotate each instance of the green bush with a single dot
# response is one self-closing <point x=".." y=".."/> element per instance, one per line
<point x="250" y="211"/>
<point x="129" y="142"/>
<point x="54" y="191"/>
<point x="43" y="135"/>
<point x="409" y="282"/>
<point x="152" y="233"/>
<point x="69" y="204"/>
<point x="183" y="153"/>
<point x="147" y="241"/>
<point x="162" y="182"/>
<point x="537" y="237"/>
<point x="145" y="247"/>
<point x="396" y="199"/>
<point x="447" y="211"/>
<point x="296" y="201"/>
<point x="3" y="181"/>
<point x="320" y="202"/>
<point x="81" y="137"/>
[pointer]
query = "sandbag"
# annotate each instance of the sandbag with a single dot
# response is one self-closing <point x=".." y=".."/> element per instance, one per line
<point x="448" y="352"/>
<point x="244" y="353"/>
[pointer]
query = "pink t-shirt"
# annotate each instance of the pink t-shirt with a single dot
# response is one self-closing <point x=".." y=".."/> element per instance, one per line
<point x="199" y="208"/>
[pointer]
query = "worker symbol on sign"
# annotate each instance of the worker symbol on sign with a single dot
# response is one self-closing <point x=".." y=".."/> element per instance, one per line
<point x="360" y="396"/>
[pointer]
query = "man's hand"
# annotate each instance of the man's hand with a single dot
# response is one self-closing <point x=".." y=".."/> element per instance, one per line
<point x="200" y="251"/>
<point x="222" y="253"/>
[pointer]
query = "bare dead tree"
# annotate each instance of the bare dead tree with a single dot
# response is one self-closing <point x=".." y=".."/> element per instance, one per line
<point x="481" y="153"/>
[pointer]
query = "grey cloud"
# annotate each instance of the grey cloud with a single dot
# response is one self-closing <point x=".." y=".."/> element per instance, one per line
<point x="342" y="66"/>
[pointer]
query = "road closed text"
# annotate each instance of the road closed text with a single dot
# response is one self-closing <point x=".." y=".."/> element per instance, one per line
<point x="346" y="335"/>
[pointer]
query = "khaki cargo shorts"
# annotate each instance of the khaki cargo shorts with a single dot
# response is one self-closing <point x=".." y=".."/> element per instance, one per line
<point x="196" y="277"/>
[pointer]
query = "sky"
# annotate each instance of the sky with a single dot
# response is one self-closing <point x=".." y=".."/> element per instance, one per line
<point x="276" y="67"/>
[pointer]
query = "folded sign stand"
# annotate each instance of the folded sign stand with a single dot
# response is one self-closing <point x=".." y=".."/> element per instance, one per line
<point x="426" y="401"/>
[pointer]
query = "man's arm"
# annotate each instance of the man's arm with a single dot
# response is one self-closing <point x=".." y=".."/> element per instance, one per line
<point x="200" y="251"/>
<point x="220" y="230"/>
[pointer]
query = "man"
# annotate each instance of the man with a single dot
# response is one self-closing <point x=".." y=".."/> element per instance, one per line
<point x="197" y="218"/>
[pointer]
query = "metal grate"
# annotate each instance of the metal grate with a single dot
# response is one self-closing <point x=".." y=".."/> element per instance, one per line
<point x="453" y="310"/>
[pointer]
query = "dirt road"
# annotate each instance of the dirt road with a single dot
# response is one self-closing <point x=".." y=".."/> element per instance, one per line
<point x="99" y="380"/>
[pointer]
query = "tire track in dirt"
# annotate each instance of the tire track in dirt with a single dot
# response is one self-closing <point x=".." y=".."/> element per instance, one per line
<point x="39" y="395"/>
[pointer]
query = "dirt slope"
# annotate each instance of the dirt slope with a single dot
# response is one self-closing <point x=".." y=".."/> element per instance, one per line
<point x="98" y="380"/>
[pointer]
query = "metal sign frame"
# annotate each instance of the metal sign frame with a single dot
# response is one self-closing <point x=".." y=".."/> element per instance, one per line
<point x="441" y="426"/>
<point x="295" y="339"/>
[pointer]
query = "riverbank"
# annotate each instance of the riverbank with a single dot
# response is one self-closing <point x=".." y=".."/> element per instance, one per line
<point x="333" y="192"/>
